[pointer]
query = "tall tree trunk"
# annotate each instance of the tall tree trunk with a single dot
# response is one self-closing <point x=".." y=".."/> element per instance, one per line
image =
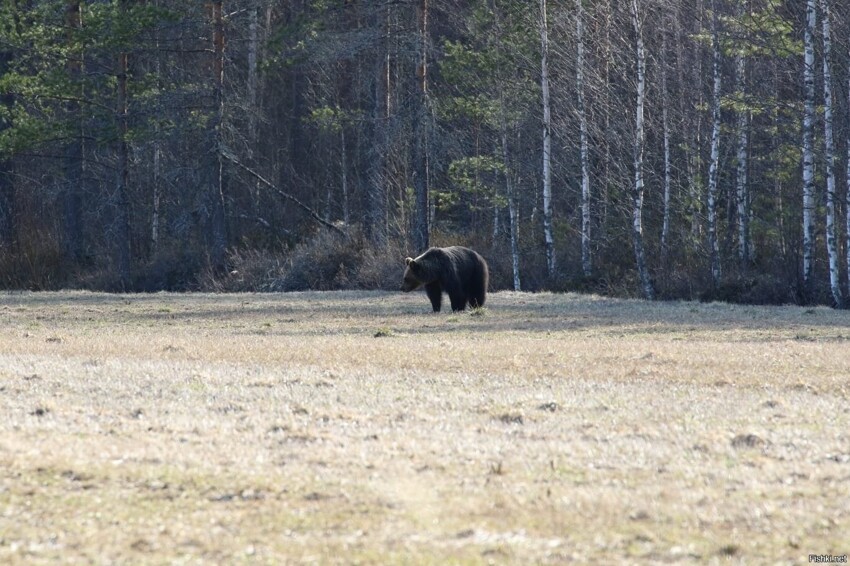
<point x="742" y="189"/>
<point x="713" y="170"/>
<point x="547" y="143"/>
<point x="7" y="209"/>
<point x="586" y="258"/>
<point x="7" y="187"/>
<point x="376" y="193"/>
<point x="513" y="213"/>
<point x="253" y="99"/>
<point x="156" y="204"/>
<point x="497" y="212"/>
<point x="808" y="151"/>
<point x="665" y="126"/>
<point x="637" y="189"/>
<point x="606" y="180"/>
<point x="776" y="124"/>
<point x="74" y="164"/>
<point x="253" y="50"/>
<point x="694" y="135"/>
<point x="421" y="132"/>
<point x="122" y="199"/>
<point x="157" y="162"/>
<point x="829" y="139"/>
<point x="217" y="225"/>
<point x="847" y="195"/>
<point x="346" y="214"/>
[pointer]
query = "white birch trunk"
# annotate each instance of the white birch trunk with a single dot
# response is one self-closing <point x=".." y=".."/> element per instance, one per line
<point x="547" y="143"/>
<point x="605" y="181"/>
<point x="694" y="138"/>
<point x="586" y="259"/>
<point x="829" y="138"/>
<point x="157" y="179"/>
<point x="346" y="216"/>
<point x="808" y="149"/>
<point x="253" y="110"/>
<point x="637" y="190"/>
<point x="847" y="201"/>
<point x="742" y="189"/>
<point x="665" y="225"/>
<point x="253" y="47"/>
<point x="713" y="241"/>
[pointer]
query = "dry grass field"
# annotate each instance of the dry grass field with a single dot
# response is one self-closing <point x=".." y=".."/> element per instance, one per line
<point x="356" y="427"/>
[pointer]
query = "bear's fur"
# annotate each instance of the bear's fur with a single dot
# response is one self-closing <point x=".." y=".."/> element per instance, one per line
<point x="460" y="272"/>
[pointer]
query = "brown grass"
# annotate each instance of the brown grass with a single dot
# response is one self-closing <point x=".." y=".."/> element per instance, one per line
<point x="354" y="427"/>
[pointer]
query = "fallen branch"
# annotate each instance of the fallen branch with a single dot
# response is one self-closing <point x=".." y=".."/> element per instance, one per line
<point x="227" y="155"/>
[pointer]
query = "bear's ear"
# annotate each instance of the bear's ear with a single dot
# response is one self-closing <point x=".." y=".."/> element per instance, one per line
<point x="408" y="260"/>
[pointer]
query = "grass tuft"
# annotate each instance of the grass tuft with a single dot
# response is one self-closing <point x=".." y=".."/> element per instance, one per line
<point x="478" y="311"/>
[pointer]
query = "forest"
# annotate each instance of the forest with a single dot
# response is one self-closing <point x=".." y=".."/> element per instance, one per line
<point x="665" y="149"/>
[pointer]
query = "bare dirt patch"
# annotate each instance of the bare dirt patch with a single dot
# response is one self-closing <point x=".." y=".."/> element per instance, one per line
<point x="355" y="427"/>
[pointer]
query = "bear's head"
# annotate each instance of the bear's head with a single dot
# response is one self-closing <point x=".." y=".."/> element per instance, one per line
<point x="412" y="275"/>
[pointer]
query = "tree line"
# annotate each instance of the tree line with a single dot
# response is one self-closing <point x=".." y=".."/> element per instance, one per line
<point x="664" y="149"/>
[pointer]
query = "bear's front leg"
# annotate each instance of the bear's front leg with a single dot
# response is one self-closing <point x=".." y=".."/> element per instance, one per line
<point x="435" y="294"/>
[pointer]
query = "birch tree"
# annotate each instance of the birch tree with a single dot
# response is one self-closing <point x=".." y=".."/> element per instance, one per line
<point x="693" y="134"/>
<point x="742" y="189"/>
<point x="808" y="148"/>
<point x="713" y="241"/>
<point x="510" y="187"/>
<point x="665" y="126"/>
<point x="829" y="140"/>
<point x="638" y="188"/>
<point x="586" y="260"/>
<point x="547" y="142"/>
<point x="252" y="91"/>
<point x="847" y="194"/>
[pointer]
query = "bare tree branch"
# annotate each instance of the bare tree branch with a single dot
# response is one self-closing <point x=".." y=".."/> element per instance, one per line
<point x="313" y="214"/>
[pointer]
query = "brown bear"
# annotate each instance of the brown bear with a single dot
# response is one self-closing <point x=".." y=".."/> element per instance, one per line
<point x="459" y="271"/>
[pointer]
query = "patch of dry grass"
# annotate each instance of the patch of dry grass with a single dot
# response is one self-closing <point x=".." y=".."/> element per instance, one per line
<point x="358" y="428"/>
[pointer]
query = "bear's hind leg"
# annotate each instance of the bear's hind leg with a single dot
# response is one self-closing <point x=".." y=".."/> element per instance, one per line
<point x="435" y="294"/>
<point x="458" y="302"/>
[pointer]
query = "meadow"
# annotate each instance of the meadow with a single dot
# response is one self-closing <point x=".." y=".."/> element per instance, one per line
<point x="357" y="427"/>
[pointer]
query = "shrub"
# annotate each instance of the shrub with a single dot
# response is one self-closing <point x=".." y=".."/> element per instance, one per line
<point x="759" y="290"/>
<point x="323" y="263"/>
<point x="36" y="264"/>
<point x="328" y="261"/>
<point x="169" y="270"/>
<point x="381" y="269"/>
<point x="248" y="270"/>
